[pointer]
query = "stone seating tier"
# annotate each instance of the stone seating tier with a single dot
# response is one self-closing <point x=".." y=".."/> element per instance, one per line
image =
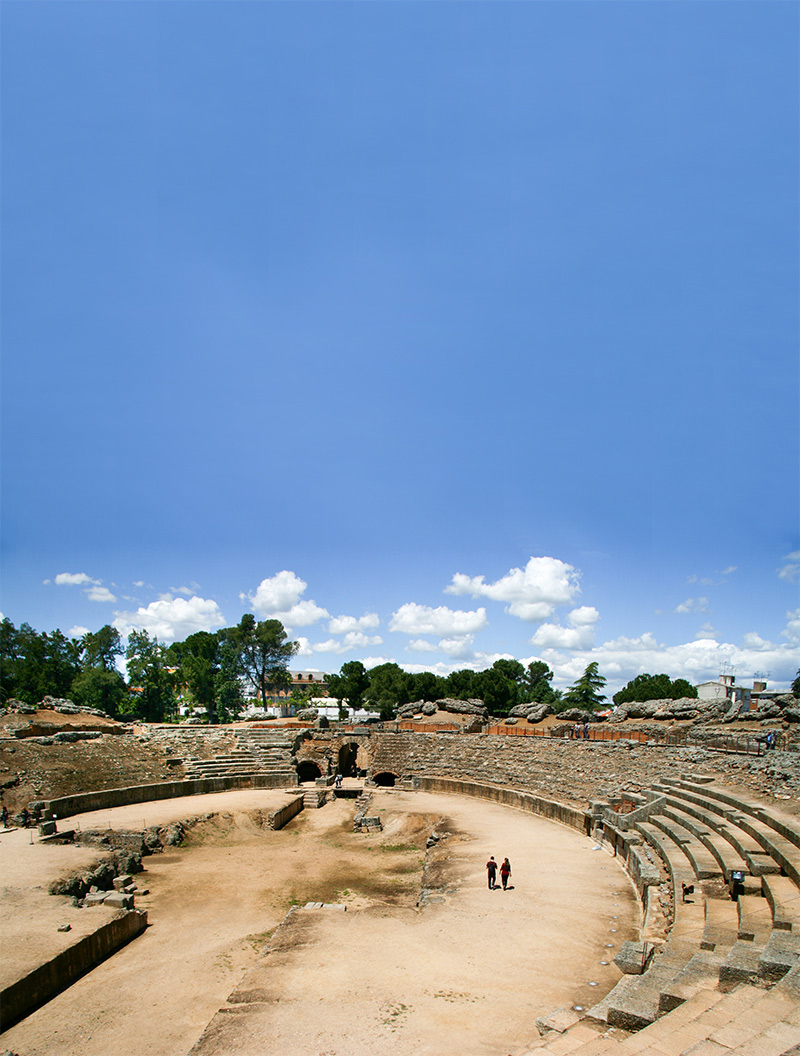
<point x="720" y="939"/>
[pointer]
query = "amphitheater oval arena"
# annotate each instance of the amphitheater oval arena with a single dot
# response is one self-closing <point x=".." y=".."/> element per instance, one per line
<point x="249" y="897"/>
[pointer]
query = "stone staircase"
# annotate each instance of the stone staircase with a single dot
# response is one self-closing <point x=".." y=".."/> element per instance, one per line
<point x="727" y="977"/>
<point x="258" y="753"/>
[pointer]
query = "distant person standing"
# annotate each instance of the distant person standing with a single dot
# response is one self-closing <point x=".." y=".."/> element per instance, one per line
<point x="4" y="816"/>
<point x="491" y="869"/>
<point x="505" y="872"/>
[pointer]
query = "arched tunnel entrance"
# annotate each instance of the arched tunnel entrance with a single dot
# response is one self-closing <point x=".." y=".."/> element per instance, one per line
<point x="308" y="771"/>
<point x="348" y="760"/>
<point x="385" y="779"/>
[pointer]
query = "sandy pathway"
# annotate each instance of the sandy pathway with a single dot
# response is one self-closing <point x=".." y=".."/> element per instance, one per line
<point x="468" y="975"/>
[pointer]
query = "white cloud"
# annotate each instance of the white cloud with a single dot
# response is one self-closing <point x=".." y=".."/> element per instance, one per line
<point x="729" y="570"/>
<point x="100" y="594"/>
<point x="73" y="579"/>
<point x="706" y="631"/>
<point x="532" y="593"/>
<point x="304" y="647"/>
<point x="791" y="570"/>
<point x="172" y="619"/>
<point x="353" y="640"/>
<point x="585" y="616"/>
<point x="422" y="619"/>
<point x="278" y="598"/>
<point x="341" y="624"/>
<point x="693" y="605"/>
<point x="458" y="647"/>
<point x="554" y="636"/>
<point x="419" y="645"/>
<point x="77" y="632"/>
<point x="701" y="660"/>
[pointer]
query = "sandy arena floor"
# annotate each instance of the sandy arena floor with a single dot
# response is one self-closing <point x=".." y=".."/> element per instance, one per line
<point x="468" y="975"/>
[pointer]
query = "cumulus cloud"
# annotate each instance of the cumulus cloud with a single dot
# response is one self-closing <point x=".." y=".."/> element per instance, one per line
<point x="554" y="636"/>
<point x="791" y="570"/>
<point x="172" y="619"/>
<point x="342" y="624"/>
<point x="693" y="605"/>
<point x="533" y="593"/>
<point x="73" y="579"/>
<point x="100" y="594"/>
<point x="422" y="619"/>
<point x="701" y="660"/>
<point x="353" y="640"/>
<point x="585" y="616"/>
<point x="420" y="645"/>
<point x="278" y="598"/>
<point x="77" y="632"/>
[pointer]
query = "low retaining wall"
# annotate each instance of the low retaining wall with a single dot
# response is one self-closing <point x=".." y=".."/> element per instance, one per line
<point x="43" y="983"/>
<point x="279" y="818"/>
<point x="66" y="806"/>
<point x="510" y="797"/>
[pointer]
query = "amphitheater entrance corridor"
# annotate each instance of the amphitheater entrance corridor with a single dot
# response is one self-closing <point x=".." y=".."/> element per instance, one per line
<point x="348" y="760"/>
<point x="308" y="771"/>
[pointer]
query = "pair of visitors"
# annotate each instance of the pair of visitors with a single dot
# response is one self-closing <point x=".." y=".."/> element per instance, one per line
<point x="505" y="872"/>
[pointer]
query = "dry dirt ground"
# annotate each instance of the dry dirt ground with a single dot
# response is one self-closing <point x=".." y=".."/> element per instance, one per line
<point x="466" y="975"/>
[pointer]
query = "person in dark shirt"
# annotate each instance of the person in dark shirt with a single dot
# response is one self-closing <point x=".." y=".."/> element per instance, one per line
<point x="491" y="869"/>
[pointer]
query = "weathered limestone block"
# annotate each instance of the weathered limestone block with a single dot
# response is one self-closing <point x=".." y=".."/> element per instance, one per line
<point x="634" y="957"/>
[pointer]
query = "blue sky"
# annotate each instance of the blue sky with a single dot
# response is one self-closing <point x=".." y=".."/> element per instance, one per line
<point x="441" y="331"/>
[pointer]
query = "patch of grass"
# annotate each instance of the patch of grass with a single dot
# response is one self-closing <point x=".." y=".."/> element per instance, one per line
<point x="259" y="940"/>
<point x="398" y="847"/>
<point x="394" y="1014"/>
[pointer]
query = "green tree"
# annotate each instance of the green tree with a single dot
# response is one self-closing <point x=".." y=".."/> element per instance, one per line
<point x="36" y="665"/>
<point x="263" y="653"/>
<point x="197" y="659"/>
<point x="97" y="688"/>
<point x="585" y="693"/>
<point x="228" y="698"/>
<point x="682" y="688"/>
<point x="425" y="685"/>
<point x="462" y="684"/>
<point x="151" y="679"/>
<point x="654" y="687"/>
<point x="100" y="649"/>
<point x="99" y="683"/>
<point x="536" y="683"/>
<point x="351" y="684"/>
<point x="388" y="688"/>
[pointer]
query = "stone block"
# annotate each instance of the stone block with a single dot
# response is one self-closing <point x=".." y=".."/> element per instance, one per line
<point x="634" y="957"/>
<point x="95" y="898"/>
<point x="47" y="828"/>
<point x="123" y="883"/>
<point x="559" y="1021"/>
<point x="119" y="900"/>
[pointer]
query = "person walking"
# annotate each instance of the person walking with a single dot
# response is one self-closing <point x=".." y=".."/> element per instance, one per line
<point x="505" y="872"/>
<point x="491" y="869"/>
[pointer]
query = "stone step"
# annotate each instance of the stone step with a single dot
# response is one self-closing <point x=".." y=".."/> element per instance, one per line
<point x="783" y="896"/>
<point x="703" y="821"/>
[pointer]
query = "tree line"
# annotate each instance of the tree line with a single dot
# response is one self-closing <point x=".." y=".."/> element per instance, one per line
<point x="216" y="672"/>
<point x="208" y="670"/>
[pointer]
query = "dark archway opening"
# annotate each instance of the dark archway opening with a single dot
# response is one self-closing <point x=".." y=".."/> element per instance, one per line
<point x="348" y="760"/>
<point x="385" y="780"/>
<point x="308" y="771"/>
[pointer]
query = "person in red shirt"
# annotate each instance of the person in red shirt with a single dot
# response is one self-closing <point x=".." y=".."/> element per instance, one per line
<point x="505" y="872"/>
